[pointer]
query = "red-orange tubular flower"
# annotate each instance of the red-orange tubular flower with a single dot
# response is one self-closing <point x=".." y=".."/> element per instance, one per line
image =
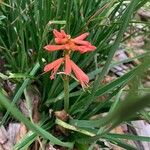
<point x="66" y="43"/>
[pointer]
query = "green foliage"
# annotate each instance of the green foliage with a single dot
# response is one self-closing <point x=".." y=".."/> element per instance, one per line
<point x="26" y="27"/>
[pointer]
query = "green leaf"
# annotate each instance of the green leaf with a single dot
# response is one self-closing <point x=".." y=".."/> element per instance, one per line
<point x="21" y="89"/>
<point x="35" y="128"/>
<point x="122" y="144"/>
<point x="126" y="17"/>
<point x="73" y="128"/>
<point x="128" y="137"/>
<point x="27" y="140"/>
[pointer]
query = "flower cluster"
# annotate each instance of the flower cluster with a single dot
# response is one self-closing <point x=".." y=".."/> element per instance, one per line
<point x="67" y="44"/>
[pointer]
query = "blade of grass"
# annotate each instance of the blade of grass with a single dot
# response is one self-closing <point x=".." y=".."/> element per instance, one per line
<point x="20" y="91"/>
<point x="73" y="128"/>
<point x="122" y="144"/>
<point x="128" y="137"/>
<point x="35" y="128"/>
<point x="127" y="15"/>
<point x="27" y="140"/>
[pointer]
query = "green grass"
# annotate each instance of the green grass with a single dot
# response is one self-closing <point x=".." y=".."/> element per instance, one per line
<point x="26" y="27"/>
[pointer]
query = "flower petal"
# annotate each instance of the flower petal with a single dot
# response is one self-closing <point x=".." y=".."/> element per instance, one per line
<point x="67" y="65"/>
<point x="55" y="69"/>
<point x="81" y="42"/>
<point x="63" y="33"/>
<point x="80" y="75"/>
<point x="84" y="49"/>
<point x="82" y="36"/>
<point x="91" y="48"/>
<point x="57" y="34"/>
<point x="53" y="64"/>
<point x="60" y="34"/>
<point x="61" y="40"/>
<point x="54" y="47"/>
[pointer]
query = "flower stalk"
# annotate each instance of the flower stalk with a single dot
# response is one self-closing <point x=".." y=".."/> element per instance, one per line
<point x="66" y="93"/>
<point x="67" y="44"/>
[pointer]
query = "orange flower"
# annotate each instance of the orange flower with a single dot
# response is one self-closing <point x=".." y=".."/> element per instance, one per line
<point x="80" y="75"/>
<point x="69" y="66"/>
<point x="54" y="66"/>
<point x="67" y="44"/>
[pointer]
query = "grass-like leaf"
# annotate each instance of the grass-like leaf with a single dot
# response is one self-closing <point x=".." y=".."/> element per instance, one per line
<point x="35" y="128"/>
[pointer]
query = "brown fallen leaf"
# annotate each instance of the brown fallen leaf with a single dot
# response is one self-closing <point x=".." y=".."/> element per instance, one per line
<point x="117" y="130"/>
<point x="3" y="135"/>
<point x="22" y="132"/>
<point x="144" y="14"/>
<point x="12" y="131"/>
<point x="5" y="143"/>
<point x="62" y="115"/>
<point x="33" y="109"/>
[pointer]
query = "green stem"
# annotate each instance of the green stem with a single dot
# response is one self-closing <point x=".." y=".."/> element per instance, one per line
<point x="66" y="93"/>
